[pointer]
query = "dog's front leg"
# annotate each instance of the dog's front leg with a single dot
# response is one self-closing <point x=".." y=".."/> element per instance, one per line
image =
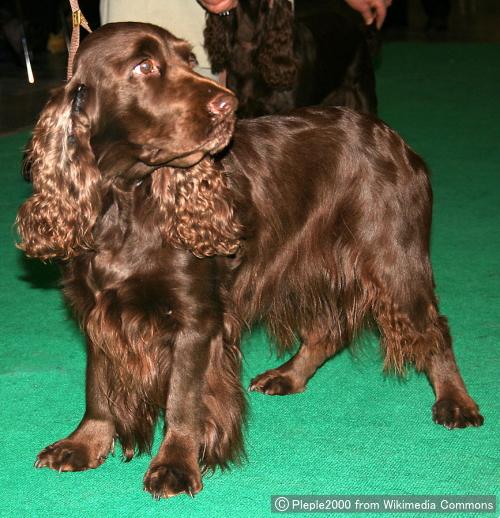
<point x="89" y="445"/>
<point x="175" y="469"/>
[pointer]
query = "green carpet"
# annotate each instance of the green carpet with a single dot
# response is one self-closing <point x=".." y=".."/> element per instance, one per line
<point x="353" y="431"/>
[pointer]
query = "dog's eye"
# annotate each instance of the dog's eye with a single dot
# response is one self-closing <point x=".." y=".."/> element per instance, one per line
<point x="146" y="68"/>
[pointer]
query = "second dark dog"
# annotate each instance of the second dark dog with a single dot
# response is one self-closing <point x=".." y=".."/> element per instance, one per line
<point x="276" y="61"/>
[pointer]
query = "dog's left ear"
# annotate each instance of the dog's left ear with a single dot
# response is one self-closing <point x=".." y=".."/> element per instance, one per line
<point x="57" y="220"/>
<point x="194" y="209"/>
<point x="275" y="56"/>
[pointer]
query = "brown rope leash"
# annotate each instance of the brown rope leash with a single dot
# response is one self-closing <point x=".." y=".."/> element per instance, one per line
<point x="78" y="20"/>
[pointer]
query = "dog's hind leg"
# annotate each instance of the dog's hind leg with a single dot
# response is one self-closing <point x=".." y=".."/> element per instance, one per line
<point x="292" y="376"/>
<point x="414" y="331"/>
<point x="454" y="408"/>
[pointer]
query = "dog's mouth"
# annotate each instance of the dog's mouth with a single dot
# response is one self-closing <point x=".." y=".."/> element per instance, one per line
<point x="218" y="139"/>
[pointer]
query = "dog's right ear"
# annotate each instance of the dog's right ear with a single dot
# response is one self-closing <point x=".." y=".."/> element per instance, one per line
<point x="57" y="220"/>
<point x="218" y="36"/>
<point x="195" y="210"/>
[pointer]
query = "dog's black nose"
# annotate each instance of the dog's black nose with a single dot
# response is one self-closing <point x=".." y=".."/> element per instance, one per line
<point x="223" y="104"/>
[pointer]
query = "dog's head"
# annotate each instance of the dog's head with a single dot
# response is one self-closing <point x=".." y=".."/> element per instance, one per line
<point x="142" y="88"/>
<point x="133" y="104"/>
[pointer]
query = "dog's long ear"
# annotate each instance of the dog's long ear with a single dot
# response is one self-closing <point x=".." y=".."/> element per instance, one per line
<point x="276" y="59"/>
<point x="195" y="210"/>
<point x="57" y="220"/>
<point x="218" y="34"/>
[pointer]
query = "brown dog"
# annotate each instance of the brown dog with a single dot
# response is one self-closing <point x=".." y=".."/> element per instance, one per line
<point x="319" y="220"/>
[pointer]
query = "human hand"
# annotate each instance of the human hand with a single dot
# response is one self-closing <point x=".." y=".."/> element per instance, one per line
<point x="218" y="6"/>
<point x="371" y="10"/>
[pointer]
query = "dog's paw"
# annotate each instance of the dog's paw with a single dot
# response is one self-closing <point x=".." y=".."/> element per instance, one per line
<point x="71" y="455"/>
<point x="275" y="383"/>
<point x="168" y="479"/>
<point x="455" y="414"/>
